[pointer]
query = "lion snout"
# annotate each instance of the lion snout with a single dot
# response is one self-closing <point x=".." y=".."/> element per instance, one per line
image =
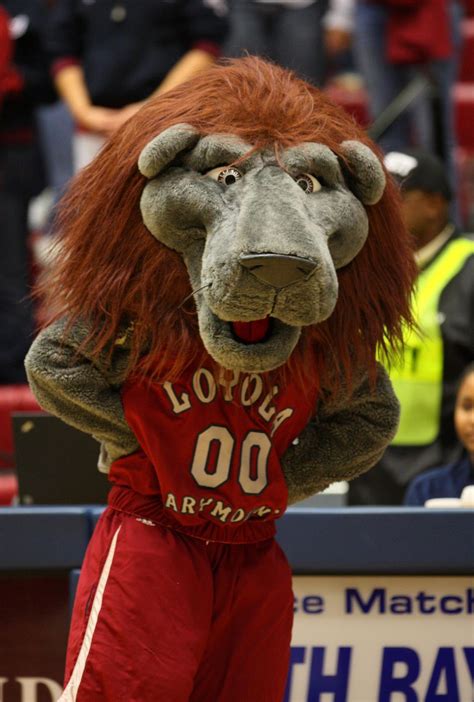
<point x="277" y="270"/>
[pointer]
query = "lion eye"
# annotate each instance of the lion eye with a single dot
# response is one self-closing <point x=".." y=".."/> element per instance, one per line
<point x="227" y="176"/>
<point x="308" y="183"/>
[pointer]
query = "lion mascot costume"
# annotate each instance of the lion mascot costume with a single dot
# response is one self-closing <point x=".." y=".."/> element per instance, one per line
<point x="229" y="267"/>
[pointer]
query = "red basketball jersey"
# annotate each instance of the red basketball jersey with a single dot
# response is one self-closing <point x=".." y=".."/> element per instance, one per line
<point x="212" y="449"/>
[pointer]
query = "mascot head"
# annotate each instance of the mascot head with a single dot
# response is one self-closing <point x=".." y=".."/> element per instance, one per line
<point x="262" y="232"/>
<point x="241" y="217"/>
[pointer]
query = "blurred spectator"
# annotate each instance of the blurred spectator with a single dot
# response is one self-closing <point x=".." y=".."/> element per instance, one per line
<point x="288" y="32"/>
<point x="24" y="83"/>
<point x="426" y="376"/>
<point x="111" y="55"/>
<point x="55" y="130"/>
<point x="450" y="481"/>
<point x="394" y="41"/>
<point x="338" y="25"/>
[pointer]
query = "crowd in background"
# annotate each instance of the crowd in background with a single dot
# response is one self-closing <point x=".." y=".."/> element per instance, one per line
<point x="73" y="71"/>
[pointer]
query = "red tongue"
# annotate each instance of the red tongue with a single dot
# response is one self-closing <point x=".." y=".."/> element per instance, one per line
<point x="251" y="331"/>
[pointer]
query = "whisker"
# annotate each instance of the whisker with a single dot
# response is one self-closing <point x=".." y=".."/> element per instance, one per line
<point x="193" y="292"/>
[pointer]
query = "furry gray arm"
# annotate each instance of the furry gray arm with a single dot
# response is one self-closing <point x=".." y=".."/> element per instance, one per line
<point x="347" y="437"/>
<point x="68" y="384"/>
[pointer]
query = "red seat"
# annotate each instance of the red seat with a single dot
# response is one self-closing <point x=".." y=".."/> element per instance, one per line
<point x="464" y="106"/>
<point x="13" y="398"/>
<point x="466" y="70"/>
<point x="8" y="488"/>
<point x="465" y="168"/>
<point x="469" y="7"/>
<point x="354" y="101"/>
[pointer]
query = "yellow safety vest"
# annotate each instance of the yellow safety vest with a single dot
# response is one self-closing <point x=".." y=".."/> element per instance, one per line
<point x="418" y="377"/>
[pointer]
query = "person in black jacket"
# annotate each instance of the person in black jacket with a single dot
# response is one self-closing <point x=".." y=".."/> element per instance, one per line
<point x="24" y="83"/>
<point x="108" y="57"/>
<point x="425" y="378"/>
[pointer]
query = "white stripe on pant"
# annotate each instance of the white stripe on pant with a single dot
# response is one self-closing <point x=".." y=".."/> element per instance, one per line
<point x="70" y="693"/>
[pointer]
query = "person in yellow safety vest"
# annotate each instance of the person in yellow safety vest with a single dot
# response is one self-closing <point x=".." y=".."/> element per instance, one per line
<point x="426" y="376"/>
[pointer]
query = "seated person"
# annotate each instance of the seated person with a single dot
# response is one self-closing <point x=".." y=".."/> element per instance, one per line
<point x="450" y="480"/>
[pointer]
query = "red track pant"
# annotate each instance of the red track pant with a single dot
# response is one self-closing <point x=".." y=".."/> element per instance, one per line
<point x="162" y="617"/>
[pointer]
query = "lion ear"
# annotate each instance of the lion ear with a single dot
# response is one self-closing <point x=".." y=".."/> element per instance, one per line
<point x="366" y="177"/>
<point x="164" y="148"/>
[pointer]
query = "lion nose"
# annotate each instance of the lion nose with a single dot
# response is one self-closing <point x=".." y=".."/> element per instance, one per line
<point x="277" y="270"/>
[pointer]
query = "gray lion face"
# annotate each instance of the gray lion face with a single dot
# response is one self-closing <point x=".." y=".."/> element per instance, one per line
<point x="261" y="240"/>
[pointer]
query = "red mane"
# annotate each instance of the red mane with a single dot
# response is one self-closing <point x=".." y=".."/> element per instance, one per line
<point x="109" y="267"/>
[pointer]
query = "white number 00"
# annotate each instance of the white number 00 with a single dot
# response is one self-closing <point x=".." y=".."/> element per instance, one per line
<point x="254" y="441"/>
